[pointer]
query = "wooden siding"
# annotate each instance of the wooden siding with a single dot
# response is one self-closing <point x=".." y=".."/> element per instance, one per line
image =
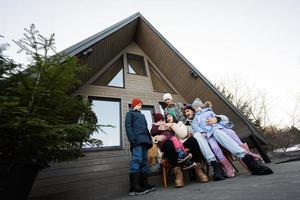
<point x="104" y="51"/>
<point x="102" y="174"/>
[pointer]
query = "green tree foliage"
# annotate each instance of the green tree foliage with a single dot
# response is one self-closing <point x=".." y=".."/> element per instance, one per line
<point x="38" y="114"/>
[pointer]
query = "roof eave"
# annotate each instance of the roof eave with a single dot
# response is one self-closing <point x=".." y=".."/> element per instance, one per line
<point x="84" y="44"/>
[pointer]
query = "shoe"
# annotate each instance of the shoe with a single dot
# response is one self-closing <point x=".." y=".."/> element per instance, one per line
<point x="254" y="167"/>
<point x="185" y="156"/>
<point x="200" y="174"/>
<point x="229" y="171"/>
<point x="218" y="171"/>
<point x="188" y="165"/>
<point x="135" y="187"/>
<point x="179" y="182"/>
<point x="144" y="182"/>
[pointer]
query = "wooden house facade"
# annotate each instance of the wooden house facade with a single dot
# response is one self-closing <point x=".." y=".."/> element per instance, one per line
<point x="129" y="59"/>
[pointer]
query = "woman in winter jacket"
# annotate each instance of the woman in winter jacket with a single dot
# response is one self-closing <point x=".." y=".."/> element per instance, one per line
<point x="164" y="129"/>
<point x="172" y="156"/>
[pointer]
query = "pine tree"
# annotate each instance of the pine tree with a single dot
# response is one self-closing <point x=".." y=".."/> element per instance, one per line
<point x="38" y="114"/>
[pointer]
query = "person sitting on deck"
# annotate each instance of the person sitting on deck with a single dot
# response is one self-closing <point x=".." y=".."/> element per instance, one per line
<point x="160" y="127"/>
<point x="215" y="134"/>
<point x="197" y="145"/>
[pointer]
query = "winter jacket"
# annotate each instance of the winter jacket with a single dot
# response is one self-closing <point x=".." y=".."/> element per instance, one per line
<point x="177" y="109"/>
<point x="199" y="122"/>
<point x="154" y="132"/>
<point x="136" y="129"/>
<point x="180" y="130"/>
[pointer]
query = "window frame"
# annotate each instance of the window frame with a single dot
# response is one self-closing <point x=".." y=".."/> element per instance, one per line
<point x="144" y="63"/>
<point x="123" y="74"/>
<point x="119" y="147"/>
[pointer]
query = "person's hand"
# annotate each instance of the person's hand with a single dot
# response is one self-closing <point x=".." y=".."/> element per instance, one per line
<point x="211" y="121"/>
<point x="162" y="126"/>
<point x="169" y="125"/>
<point x="159" y="138"/>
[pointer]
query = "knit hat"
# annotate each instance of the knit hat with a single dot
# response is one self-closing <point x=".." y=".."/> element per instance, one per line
<point x="167" y="96"/>
<point x="157" y="117"/>
<point x="135" y="102"/>
<point x="172" y="113"/>
<point x="197" y="103"/>
<point x="188" y="106"/>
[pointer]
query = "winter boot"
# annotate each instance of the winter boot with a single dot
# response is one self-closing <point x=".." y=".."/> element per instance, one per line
<point x="178" y="177"/>
<point x="218" y="171"/>
<point x="144" y="182"/>
<point x="135" y="187"/>
<point x="188" y="165"/>
<point x="200" y="174"/>
<point x="254" y="167"/>
<point x="229" y="172"/>
<point x="255" y="156"/>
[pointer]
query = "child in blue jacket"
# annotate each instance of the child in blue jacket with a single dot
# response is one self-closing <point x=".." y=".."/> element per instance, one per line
<point x="140" y="141"/>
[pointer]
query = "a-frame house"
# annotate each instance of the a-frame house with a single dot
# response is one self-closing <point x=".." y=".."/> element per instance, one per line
<point x="129" y="59"/>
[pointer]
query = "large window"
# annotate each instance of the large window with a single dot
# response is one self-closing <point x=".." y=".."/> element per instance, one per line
<point x="113" y="76"/>
<point x="108" y="112"/>
<point x="136" y="64"/>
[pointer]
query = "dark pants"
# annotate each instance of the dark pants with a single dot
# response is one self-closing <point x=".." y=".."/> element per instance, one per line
<point x="192" y="144"/>
<point x="171" y="154"/>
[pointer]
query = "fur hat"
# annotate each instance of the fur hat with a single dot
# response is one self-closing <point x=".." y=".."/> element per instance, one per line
<point x="197" y="103"/>
<point x="135" y="102"/>
<point x="157" y="117"/>
<point x="167" y="96"/>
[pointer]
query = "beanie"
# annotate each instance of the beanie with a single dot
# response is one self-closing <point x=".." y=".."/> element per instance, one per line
<point x="135" y="102"/>
<point x="157" y="117"/>
<point x="167" y="96"/>
<point x="188" y="106"/>
<point x="197" y="103"/>
<point x="172" y="113"/>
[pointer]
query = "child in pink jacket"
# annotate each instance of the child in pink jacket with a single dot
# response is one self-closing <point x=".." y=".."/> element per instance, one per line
<point x="160" y="127"/>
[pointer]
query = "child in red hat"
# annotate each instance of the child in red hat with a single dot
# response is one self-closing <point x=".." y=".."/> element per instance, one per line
<point x="140" y="141"/>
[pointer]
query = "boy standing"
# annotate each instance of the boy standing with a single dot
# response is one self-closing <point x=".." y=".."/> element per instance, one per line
<point x="140" y="141"/>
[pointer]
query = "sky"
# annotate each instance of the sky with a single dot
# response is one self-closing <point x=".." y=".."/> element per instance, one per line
<point x="256" y="42"/>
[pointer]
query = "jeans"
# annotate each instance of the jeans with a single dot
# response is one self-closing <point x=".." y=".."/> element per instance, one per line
<point x="139" y="160"/>
<point x="226" y="141"/>
<point x="205" y="148"/>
